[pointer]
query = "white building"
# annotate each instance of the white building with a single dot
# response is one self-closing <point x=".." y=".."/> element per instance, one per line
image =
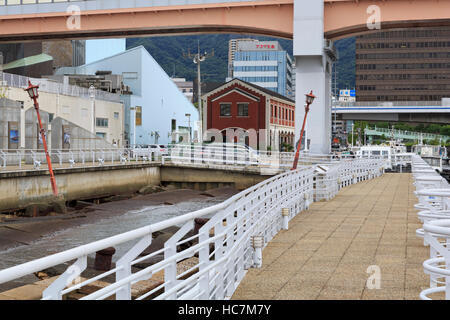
<point x="102" y="115"/>
<point x="156" y="109"/>
<point x="187" y="87"/>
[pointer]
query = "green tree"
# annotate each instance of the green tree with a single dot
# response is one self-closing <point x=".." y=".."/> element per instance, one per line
<point x="445" y="130"/>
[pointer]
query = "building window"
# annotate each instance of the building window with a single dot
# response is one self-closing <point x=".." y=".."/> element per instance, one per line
<point x="101" y="122"/>
<point x="225" y="109"/>
<point x="242" y="109"/>
<point x="101" y="135"/>
<point x="174" y="125"/>
<point x="116" y="115"/>
<point x="139" y="116"/>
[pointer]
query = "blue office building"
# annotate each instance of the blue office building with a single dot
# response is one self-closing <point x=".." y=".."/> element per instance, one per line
<point x="264" y="63"/>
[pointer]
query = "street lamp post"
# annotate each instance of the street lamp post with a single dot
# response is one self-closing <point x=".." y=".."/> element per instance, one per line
<point x="188" y="115"/>
<point x="309" y="100"/>
<point x="34" y="95"/>
<point x="198" y="59"/>
<point x="353" y="124"/>
<point x="92" y="97"/>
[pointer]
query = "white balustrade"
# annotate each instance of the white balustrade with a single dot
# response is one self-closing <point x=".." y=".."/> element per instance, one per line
<point x="433" y="193"/>
<point x="228" y="244"/>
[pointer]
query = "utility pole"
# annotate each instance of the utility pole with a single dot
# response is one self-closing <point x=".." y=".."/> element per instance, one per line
<point x="335" y="96"/>
<point x="198" y="59"/>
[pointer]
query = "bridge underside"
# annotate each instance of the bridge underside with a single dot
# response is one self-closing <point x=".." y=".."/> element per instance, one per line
<point x="267" y="17"/>
<point x="438" y="118"/>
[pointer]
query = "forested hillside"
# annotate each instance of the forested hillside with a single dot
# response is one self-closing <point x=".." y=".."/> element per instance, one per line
<point x="168" y="52"/>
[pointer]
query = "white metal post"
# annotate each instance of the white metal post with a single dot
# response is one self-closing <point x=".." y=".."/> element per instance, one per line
<point x="285" y="215"/>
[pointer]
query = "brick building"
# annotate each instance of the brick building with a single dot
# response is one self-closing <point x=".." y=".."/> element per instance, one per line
<point x="238" y="104"/>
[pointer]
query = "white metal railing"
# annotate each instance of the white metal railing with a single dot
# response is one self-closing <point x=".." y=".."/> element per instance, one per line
<point x="226" y="246"/>
<point x="238" y="155"/>
<point x="388" y="104"/>
<point x="433" y="193"/>
<point x="11" y="159"/>
<point x="405" y="133"/>
<point x="437" y="235"/>
<point x="46" y="85"/>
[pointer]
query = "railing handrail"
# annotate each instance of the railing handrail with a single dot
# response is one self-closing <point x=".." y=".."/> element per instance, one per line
<point x="74" y="253"/>
<point x="51" y="86"/>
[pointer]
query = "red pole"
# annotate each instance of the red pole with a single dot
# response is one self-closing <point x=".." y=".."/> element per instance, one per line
<point x="294" y="167"/>
<point x="49" y="161"/>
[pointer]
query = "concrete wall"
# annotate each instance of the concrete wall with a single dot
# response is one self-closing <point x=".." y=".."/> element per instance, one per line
<point x="19" y="189"/>
<point x="32" y="134"/>
<point x="22" y="188"/>
<point x="79" y="138"/>
<point x="204" y="178"/>
<point x="9" y="115"/>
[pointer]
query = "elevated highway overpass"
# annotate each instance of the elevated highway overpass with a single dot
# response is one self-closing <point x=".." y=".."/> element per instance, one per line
<point x="408" y="111"/>
<point x="48" y="19"/>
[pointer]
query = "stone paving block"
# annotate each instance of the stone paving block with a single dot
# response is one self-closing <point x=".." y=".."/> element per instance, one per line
<point x="412" y="294"/>
<point x="310" y="278"/>
<point x="247" y="294"/>
<point x="314" y="267"/>
<point x="340" y="293"/>
<point x="28" y="292"/>
<point x="346" y="282"/>
<point x="383" y="294"/>
<point x="299" y="292"/>
<point x="396" y="283"/>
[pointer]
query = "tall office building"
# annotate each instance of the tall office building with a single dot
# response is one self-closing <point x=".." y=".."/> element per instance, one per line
<point x="403" y="65"/>
<point x="233" y="46"/>
<point x="264" y="63"/>
<point x="78" y="52"/>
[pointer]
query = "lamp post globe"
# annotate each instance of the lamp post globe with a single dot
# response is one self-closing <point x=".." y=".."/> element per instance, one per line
<point x="310" y="98"/>
<point x="32" y="90"/>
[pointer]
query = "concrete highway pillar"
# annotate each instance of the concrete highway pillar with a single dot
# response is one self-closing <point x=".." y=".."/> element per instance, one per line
<point x="313" y="59"/>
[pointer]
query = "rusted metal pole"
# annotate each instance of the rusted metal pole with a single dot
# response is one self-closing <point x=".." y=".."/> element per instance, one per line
<point x="294" y="167"/>
<point x="44" y="142"/>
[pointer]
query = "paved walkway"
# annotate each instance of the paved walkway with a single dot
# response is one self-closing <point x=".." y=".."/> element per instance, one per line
<point x="327" y="250"/>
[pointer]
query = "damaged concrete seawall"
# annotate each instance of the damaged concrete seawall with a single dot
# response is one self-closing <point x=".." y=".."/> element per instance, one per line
<point x="19" y="189"/>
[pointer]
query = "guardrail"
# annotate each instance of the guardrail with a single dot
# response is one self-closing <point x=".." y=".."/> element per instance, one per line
<point x="405" y="133"/>
<point x="74" y="157"/>
<point x="47" y="85"/>
<point x="223" y="155"/>
<point x="388" y="104"/>
<point x="433" y="193"/>
<point x="226" y="246"/>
